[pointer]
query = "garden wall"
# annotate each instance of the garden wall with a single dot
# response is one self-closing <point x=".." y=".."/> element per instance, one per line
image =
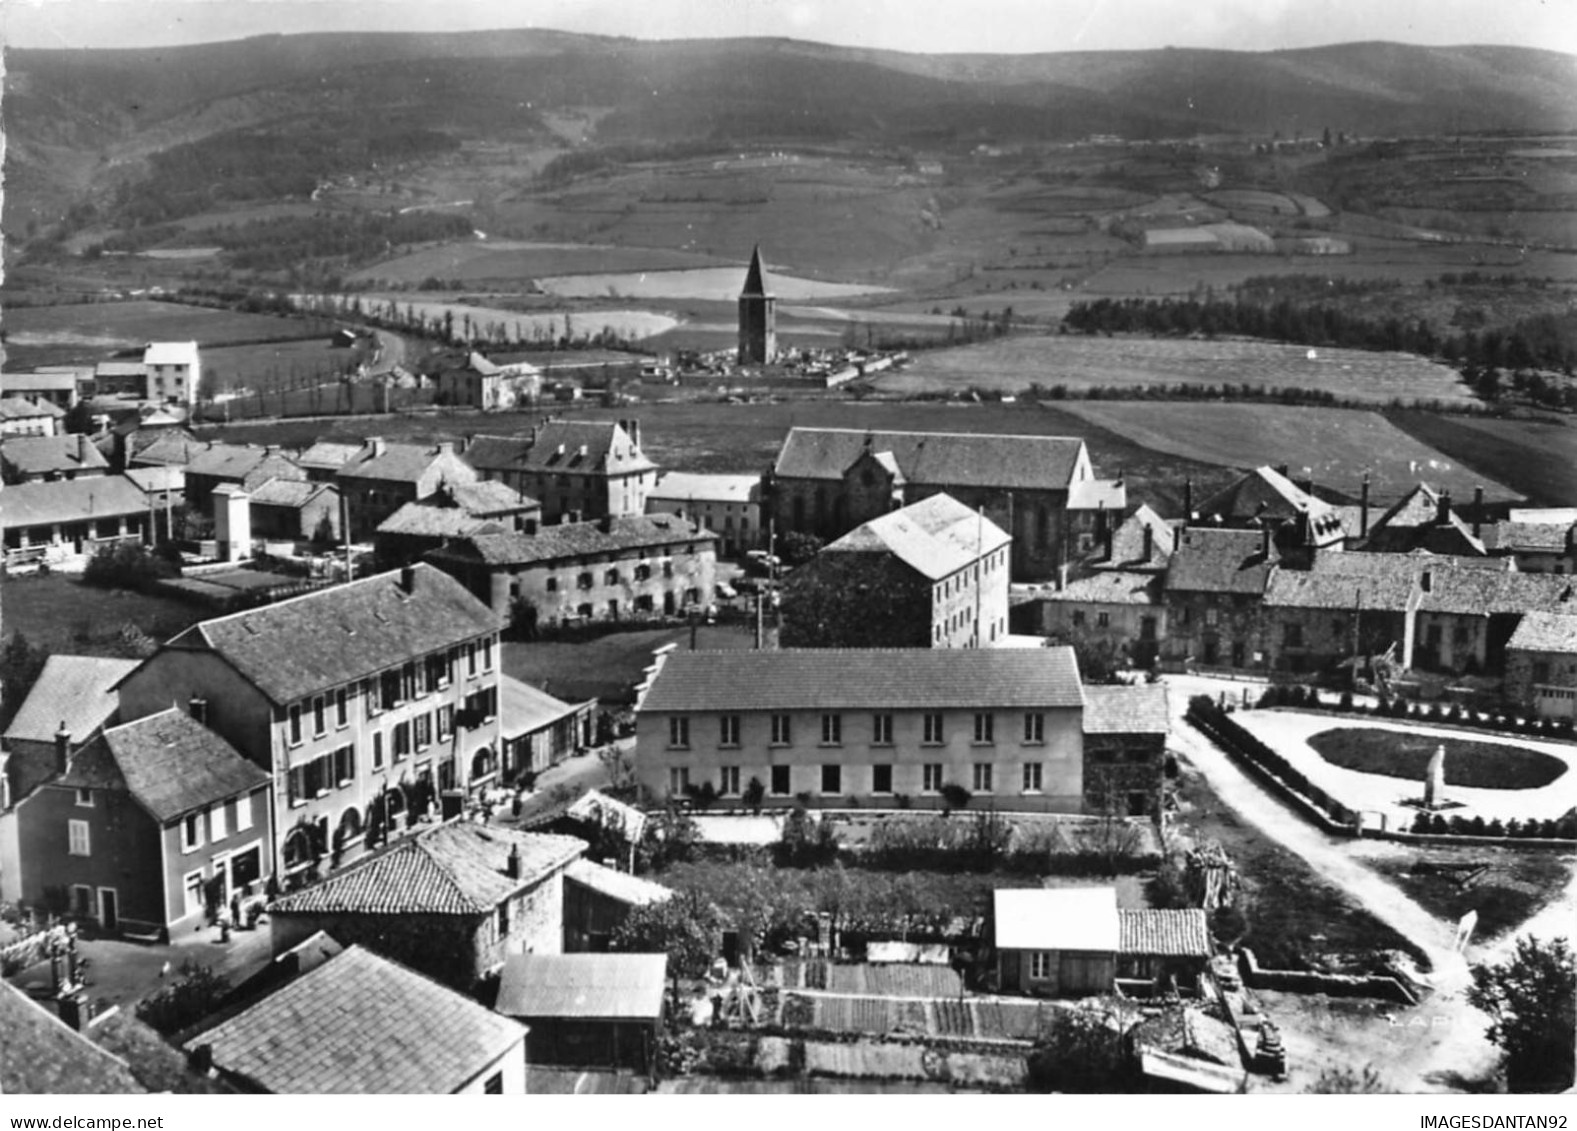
<point x="1308" y="982"/>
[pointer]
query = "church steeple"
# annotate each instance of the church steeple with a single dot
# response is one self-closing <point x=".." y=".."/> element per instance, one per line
<point x="758" y="336"/>
<point x="755" y="278"/>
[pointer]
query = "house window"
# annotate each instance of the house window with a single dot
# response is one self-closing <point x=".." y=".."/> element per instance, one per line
<point x="78" y="843"/>
<point x="295" y="725"/>
<point x="1039" y="965"/>
<point x="1078" y="617"/>
<point x="445" y="722"/>
<point x="494" y="1085"/>
<point x="319" y="717"/>
<point x="1211" y="616"/>
<point x="931" y="777"/>
<point x="781" y="730"/>
<point x="832" y="730"/>
<point x="611" y="577"/>
<point x="243" y="814"/>
<point x="1103" y="620"/>
<point x="503" y="919"/>
<point x="1034" y="727"/>
<point x="982" y="777"/>
<point x="192" y="832"/>
<point x="780" y="781"/>
<point x="85" y="798"/>
<point x="470" y="659"/>
<point x="643" y="572"/>
<point x="729" y="730"/>
<point x="1031" y="777"/>
<point x="437" y="671"/>
<point x="552" y="585"/>
<point x="583" y="581"/>
<point x="342" y="707"/>
<point x="423" y="730"/>
<point x="1541" y="671"/>
<point x="1292" y="635"/>
<point x="402" y="740"/>
<point x="728" y="780"/>
<point x="983" y="727"/>
<point x="933" y="728"/>
<point x="881" y="730"/>
<point x="389" y="690"/>
<point x="882" y="777"/>
<point x="216" y="823"/>
<point x="345" y="764"/>
<point x="678" y="779"/>
<point x="831" y="779"/>
<point x="487" y="655"/>
<point x="678" y="731"/>
<point x="377" y="751"/>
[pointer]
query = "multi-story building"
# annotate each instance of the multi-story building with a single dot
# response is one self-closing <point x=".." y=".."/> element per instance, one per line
<point x="245" y="466"/>
<point x="727" y="505"/>
<point x="1122" y="609"/>
<point x="632" y="568"/>
<point x="384" y="477"/>
<point x="1300" y="521"/>
<point x="884" y="726"/>
<point x="579" y="469"/>
<point x="1214" y="584"/>
<point x="1539" y="540"/>
<point x="366" y="703"/>
<point x="932" y="575"/>
<point x="457" y="511"/>
<point x="1040" y="489"/>
<point x="174" y="371"/>
<point x="22" y="417"/>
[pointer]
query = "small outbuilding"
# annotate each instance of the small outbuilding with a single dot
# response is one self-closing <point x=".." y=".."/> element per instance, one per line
<point x="592" y="1011"/>
<point x="1056" y="941"/>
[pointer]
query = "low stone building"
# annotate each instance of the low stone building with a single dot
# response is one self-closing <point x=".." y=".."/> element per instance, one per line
<point x="1125" y="730"/>
<point x="454" y="512"/>
<point x="590" y="1011"/>
<point x="1119" y="608"/>
<point x="1541" y="665"/>
<point x="1214" y="584"/>
<point x="295" y="510"/>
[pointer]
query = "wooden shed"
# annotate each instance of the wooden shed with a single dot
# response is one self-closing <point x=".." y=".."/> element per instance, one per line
<point x="1055" y="941"/>
<point x="594" y="1011"/>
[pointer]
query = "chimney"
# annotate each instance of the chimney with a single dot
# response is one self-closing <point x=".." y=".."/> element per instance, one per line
<point x="1426" y="581"/>
<point x="1188" y="499"/>
<point x="1307" y="486"/>
<point x="634" y="430"/>
<point x="1478" y="509"/>
<point x="408" y="579"/>
<point x="198" y="709"/>
<point x="584" y="451"/>
<point x="375" y="446"/>
<point x="1281" y="469"/>
<point x="514" y="868"/>
<point x="605" y="524"/>
<point x="1363" y="507"/>
<point x="1443" y="508"/>
<point x="82" y="448"/>
<point x="1109" y="538"/>
<point x="1264" y="541"/>
<point x="1149" y="541"/>
<point x="62" y="747"/>
<point x="446" y="448"/>
<point x="201" y="1059"/>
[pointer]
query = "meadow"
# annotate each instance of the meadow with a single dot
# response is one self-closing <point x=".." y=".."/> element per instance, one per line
<point x="716" y="283"/>
<point x="526" y="326"/>
<point x="40" y="335"/>
<point x="473" y="261"/>
<point x="1537" y="458"/>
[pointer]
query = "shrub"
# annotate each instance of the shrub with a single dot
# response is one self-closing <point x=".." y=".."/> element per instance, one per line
<point x="1421" y="822"/>
<point x="1438" y="825"/>
<point x="955" y="796"/>
<point x="1345" y="703"/>
<point x="194" y="995"/>
<point x="1476" y="826"/>
<point x="1495" y="828"/>
<point x="128" y="565"/>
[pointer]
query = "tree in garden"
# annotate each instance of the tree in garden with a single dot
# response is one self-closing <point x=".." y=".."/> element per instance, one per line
<point x="954" y="796"/>
<point x="195" y="994"/>
<point x="755" y="793"/>
<point x="1081" y="1050"/>
<point x="686" y="928"/>
<point x="806" y="842"/>
<point x="1531" y="1001"/>
<point x="797" y="547"/>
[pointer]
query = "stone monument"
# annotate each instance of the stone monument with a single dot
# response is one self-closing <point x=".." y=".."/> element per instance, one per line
<point x="1435" y="780"/>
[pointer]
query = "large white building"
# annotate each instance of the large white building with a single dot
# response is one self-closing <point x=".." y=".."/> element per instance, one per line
<point x="174" y="371"/>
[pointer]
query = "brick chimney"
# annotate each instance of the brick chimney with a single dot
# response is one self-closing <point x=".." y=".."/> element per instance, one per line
<point x="375" y="446"/>
<point x="1443" y="508"/>
<point x="62" y="747"/>
<point x="408" y="579"/>
<point x="198" y="709"/>
<point x="1282" y="469"/>
<point x="1478" y="510"/>
<point x="1264" y="541"/>
<point x="634" y="430"/>
<point x="1149" y="541"/>
<point x="514" y="868"/>
<point x="1363" y="507"/>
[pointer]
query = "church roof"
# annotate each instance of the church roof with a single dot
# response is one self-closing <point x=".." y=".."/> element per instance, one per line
<point x="755" y="277"/>
<point x="937" y="459"/>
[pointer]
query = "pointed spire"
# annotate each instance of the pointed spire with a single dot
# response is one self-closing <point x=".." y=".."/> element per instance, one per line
<point x="755" y="278"/>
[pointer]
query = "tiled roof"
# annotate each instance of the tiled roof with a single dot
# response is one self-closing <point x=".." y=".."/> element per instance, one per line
<point x="1466" y="585"/>
<point x="163" y="446"/>
<point x="407" y="463"/>
<point x="488" y="497"/>
<point x="151" y="479"/>
<point x="1532" y="537"/>
<point x="1546" y="632"/>
<point x="76" y="690"/>
<point x="836" y="678"/>
<point x="331" y="637"/>
<point x="1077" y="918"/>
<point x="1263" y="492"/>
<point x="1128" y="541"/>
<point x="1386" y="585"/>
<point x="570" y="540"/>
<point x="596" y="808"/>
<point x="1139" y="709"/>
<point x="169" y="762"/>
<point x="458" y="868"/>
<point x="687" y="487"/>
<point x="940" y="459"/>
<point x="360" y="1023"/>
<point x="936" y="537"/>
<point x="41" y="1055"/>
<point x="523" y="709"/>
<point x="581" y="447"/>
<point x="1219" y="560"/>
<point x="20" y="408"/>
<point x="70" y="500"/>
<point x="295" y="493"/>
<point x="1173" y="932"/>
<point x="422" y="520"/>
<point x="1487" y="592"/>
<point x="1098" y="494"/>
<point x="328" y="455"/>
<point x="614" y="884"/>
<point x="232" y="462"/>
<point x="583" y="986"/>
<point x="1109" y="587"/>
<point x="170" y="353"/>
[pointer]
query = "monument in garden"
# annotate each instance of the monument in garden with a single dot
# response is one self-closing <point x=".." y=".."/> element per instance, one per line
<point x="1435" y="780"/>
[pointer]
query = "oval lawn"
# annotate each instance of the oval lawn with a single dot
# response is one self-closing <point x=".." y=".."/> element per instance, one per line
<point x="1469" y="763"/>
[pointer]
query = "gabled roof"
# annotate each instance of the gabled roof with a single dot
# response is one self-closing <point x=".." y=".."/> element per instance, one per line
<point x="600" y="987"/>
<point x="568" y="541"/>
<point x="1419" y="507"/>
<point x="42" y="1055"/>
<point x="421" y="520"/>
<point x="294" y="493"/>
<point x="1128" y="541"/>
<point x="249" y="467"/>
<point x="1097" y="495"/>
<point x="486" y="497"/>
<point x="936" y="459"/>
<point x="20" y="408"/>
<point x="360" y="1023"/>
<point x="855" y="678"/>
<point x="1056" y="919"/>
<point x="1108" y="587"/>
<point x="169" y="762"/>
<point x="77" y="690"/>
<point x="70" y="500"/>
<point x="162" y="478"/>
<point x="1173" y="932"/>
<point x="458" y="868"/>
<point x="1532" y="537"/>
<point x="523" y="709"/>
<point x="330" y="637"/>
<point x="170" y="353"/>
<point x="326" y="455"/>
<point x="936" y="537"/>
<point x="1267" y="495"/>
<point x="596" y="808"/>
<point x="1463" y="585"/>
<point x="688" y="487"/>
<point x="581" y="447"/>
<point x="1138" y="709"/>
<point x="1220" y="560"/>
<point x="1546" y="632"/>
<point x="407" y="463"/>
<point x="616" y="885"/>
<point x="162" y="446"/>
<point x="1413" y="523"/>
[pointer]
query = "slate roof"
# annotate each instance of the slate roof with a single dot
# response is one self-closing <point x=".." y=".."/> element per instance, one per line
<point x="42" y="455"/>
<point x="1413" y="523"/>
<point x="1139" y="709"/>
<point x="232" y="462"/>
<point x="571" y="540"/>
<point x="1174" y="932"/>
<point x="1490" y="593"/>
<point x="294" y="493"/>
<point x="70" y="500"/>
<point x="1386" y="585"/>
<point x="1419" y="507"/>
<point x="1532" y="537"/>
<point x="407" y="463"/>
<point x="940" y="459"/>
<point x="686" y="487"/>
<point x="41" y="1055"/>
<point x="556" y="447"/>
<point x="78" y="690"/>
<point x="326" y="455"/>
<point x="936" y="537"/>
<point x="458" y="868"/>
<point x="1261" y="492"/>
<point x="1109" y="587"/>
<point x="154" y="479"/>
<point x="163" y="446"/>
<point x="169" y="762"/>
<point x="625" y="987"/>
<point x="838" y="678"/>
<point x="170" y="353"/>
<point x="1056" y="919"/>
<point x="1128" y="541"/>
<point x="330" y="637"/>
<point x="1546" y="632"/>
<point x="361" y="1023"/>
<point x="1464" y="585"/>
<point x="20" y="408"/>
<point x="1220" y="560"/>
<point x="615" y="884"/>
<point x="488" y="497"/>
<point x="523" y="709"/>
<point x="421" y="520"/>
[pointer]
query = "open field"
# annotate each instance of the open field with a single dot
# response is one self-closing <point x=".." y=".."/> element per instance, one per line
<point x="608" y="667"/>
<point x="41" y="335"/>
<point x="1012" y="364"/>
<point x="473" y="261"/>
<point x="1333" y="445"/>
<point x="1478" y="765"/>
<point x="63" y="615"/>
<point x="717" y="283"/>
<point x="269" y="366"/>
<point x="1537" y="458"/>
<point x="1504" y="885"/>
<point x="521" y="326"/>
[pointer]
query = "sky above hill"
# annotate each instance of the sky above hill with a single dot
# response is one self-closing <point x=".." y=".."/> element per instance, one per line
<point x="904" y="25"/>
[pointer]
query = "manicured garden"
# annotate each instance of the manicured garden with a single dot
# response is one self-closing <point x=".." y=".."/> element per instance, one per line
<point x="1468" y="763"/>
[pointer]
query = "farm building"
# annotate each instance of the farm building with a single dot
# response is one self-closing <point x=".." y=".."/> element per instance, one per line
<point x="22" y="417"/>
<point x="120" y="379"/>
<point x="295" y="510"/>
<point x="1041" y="490"/>
<point x="596" y="1011"/>
<point x="246" y="467"/>
<point x="1214" y="585"/>
<point x="579" y="470"/>
<point x="727" y="505"/>
<point x="383" y="477"/>
<point x="46" y="459"/>
<point x="360" y="1023"/>
<point x="1539" y="540"/>
<point x="60" y="385"/>
<point x="628" y="568"/>
<point x="455" y="511"/>
<point x="598" y="899"/>
<point x="1541" y="664"/>
<point x="539" y="731"/>
<point x="62" y="523"/>
<point x="931" y="575"/>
